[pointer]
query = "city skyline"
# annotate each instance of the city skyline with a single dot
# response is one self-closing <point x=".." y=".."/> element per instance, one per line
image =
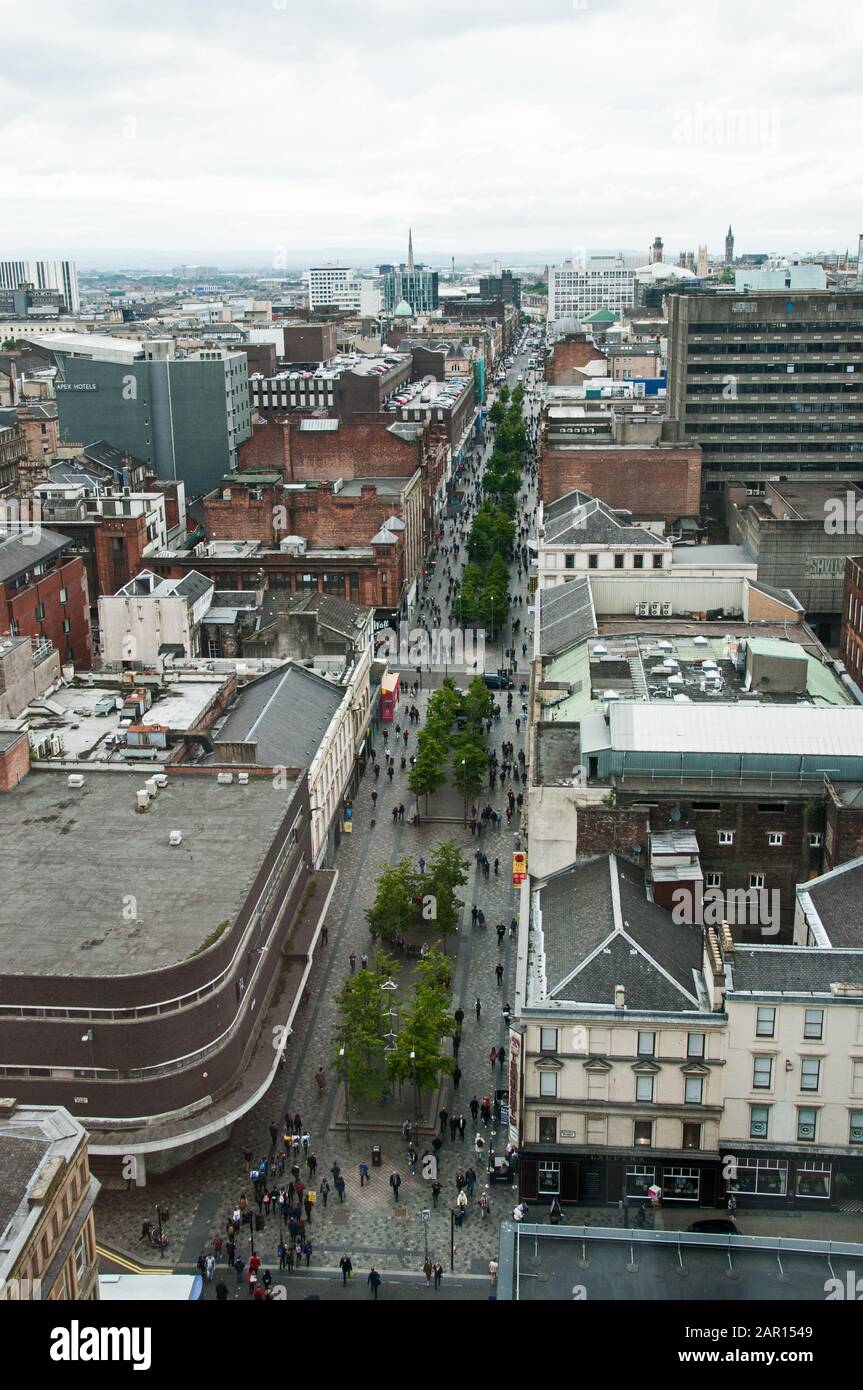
<point x="165" y="162"/>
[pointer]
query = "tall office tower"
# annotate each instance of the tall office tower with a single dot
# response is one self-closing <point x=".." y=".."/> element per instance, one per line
<point x="61" y="276"/>
<point x="770" y="383"/>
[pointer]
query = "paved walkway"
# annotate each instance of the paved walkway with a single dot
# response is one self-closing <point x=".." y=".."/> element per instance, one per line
<point x="370" y="1226"/>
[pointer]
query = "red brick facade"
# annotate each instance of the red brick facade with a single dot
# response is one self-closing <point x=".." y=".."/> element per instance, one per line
<point x="851" y="638"/>
<point x="14" y="763"/>
<point x="661" y="479"/>
<point x="19" y="606"/>
<point x="567" y="356"/>
<point x="119" y="544"/>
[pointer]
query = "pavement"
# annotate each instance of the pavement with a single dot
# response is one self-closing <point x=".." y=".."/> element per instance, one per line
<point x="369" y="1226"/>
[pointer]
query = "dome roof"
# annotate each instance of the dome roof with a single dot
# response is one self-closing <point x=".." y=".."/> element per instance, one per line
<point x="661" y="270"/>
<point x="403" y="310"/>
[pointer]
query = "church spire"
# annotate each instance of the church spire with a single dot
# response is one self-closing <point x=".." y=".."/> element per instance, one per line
<point x="410" y="249"/>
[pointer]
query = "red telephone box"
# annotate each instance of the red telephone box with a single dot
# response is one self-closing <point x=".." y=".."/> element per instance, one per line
<point x="390" y="695"/>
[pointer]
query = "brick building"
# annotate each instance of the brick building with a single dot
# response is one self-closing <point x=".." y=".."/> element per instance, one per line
<point x="43" y="592"/>
<point x="309" y="342"/>
<point x="851" y="637"/>
<point x="568" y="355"/>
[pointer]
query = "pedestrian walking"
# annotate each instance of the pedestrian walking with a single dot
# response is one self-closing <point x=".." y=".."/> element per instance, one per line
<point x="456" y="1078"/>
<point x="462" y="1126"/>
<point x="453" y="1126"/>
<point x="428" y="1271"/>
<point x="325" y="936"/>
<point x="443" y="1116"/>
<point x="395" y="1184"/>
<point x="239" y="1266"/>
<point x="274" y="1134"/>
<point x="498" y="970"/>
<point x="478" y="1008"/>
<point x="474" y="1108"/>
<point x="346" y="1267"/>
<point x="437" y="1271"/>
<point x="321" y="1077"/>
<point x="324" y="1192"/>
<point x="364" y="1173"/>
<point x="340" y="1187"/>
<point x="374" y="1281"/>
<point x="353" y="961"/>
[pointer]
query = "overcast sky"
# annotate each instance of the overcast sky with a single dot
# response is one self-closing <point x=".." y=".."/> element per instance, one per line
<point x="279" y="128"/>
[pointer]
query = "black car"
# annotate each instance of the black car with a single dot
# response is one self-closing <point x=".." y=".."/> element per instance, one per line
<point x="716" y="1226"/>
<point x="495" y="681"/>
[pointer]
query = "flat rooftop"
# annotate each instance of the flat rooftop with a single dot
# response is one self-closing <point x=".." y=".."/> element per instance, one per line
<point x="70" y="711"/>
<point x="71" y="858"/>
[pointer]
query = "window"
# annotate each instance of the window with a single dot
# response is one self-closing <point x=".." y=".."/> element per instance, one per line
<point x="64" y="595"/>
<point x="693" y="1090"/>
<point x="618" y="562"/>
<point x="770" y="808"/>
<point x="639" y="1178"/>
<point x="813" y="1024"/>
<point x="67" y="626"/>
<point x="695" y="1044"/>
<point x="646" y="1044"/>
<point x="569" y="562"/>
<point x="549" y="1177"/>
<point x="547" y="1129"/>
<point x="638" y="562"/>
<point x="774" y="839"/>
<point x="657" y="562"/>
<point x="548" y="1083"/>
<point x="765" y="1023"/>
<point x="691" y="1136"/>
<point x="644" y="1088"/>
<point x="680" y="1184"/>
<point x="548" y="1039"/>
<point x="856" y="1078"/>
<point x="762" y="1073"/>
<point x="815" y="841"/>
<point x="756" y="880"/>
<point x="597" y="1130"/>
<point x="726" y="837"/>
<point x="592" y="562"/>
<point x="813" y="1179"/>
<point x="759" y="1118"/>
<point x="643" y="1133"/>
<point x="80" y="1255"/>
<point x="806" y="1122"/>
<point x="713" y="880"/>
<point x="40" y="612"/>
<point x="764" y="1177"/>
<point x="810" y="1074"/>
<point x="855" y="1128"/>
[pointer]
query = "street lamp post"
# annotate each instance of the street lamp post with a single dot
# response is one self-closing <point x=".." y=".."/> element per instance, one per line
<point x="161" y="1215"/>
<point x="347" y="1095"/>
<point x="464" y="786"/>
<point x="413" y="1059"/>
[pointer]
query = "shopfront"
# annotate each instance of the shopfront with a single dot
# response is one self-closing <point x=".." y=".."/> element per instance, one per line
<point x="759" y="1180"/>
<point x="599" y="1179"/>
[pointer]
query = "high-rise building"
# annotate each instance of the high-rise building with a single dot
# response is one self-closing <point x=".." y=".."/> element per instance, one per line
<point x="505" y="286"/>
<point x="770" y="384"/>
<point x="579" y="288"/>
<point x="337" y="287"/>
<point x="411" y="284"/>
<point x="729" y="246"/>
<point x="43" y="275"/>
<point x="183" y="416"/>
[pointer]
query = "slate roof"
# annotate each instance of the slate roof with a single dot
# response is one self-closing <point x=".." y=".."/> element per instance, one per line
<point x="287" y="713"/>
<point x="21" y="549"/>
<point x="793" y="969"/>
<point x="19" y="1161"/>
<point x="592" y="522"/>
<point x="566" y="616"/>
<point x="781" y="595"/>
<point x="600" y="930"/>
<point x="837" y="898"/>
<point x="337" y="614"/>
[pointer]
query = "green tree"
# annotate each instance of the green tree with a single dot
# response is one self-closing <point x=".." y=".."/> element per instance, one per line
<point x="469" y="765"/>
<point x="418" y="1056"/>
<point x="446" y="870"/>
<point x="478" y="704"/>
<point x="395" y="908"/>
<point x="497" y="413"/>
<point x="428" y="773"/>
<point x="361" y="1031"/>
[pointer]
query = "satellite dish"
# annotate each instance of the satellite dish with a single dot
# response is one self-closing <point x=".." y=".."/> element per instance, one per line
<point x="675" y="814"/>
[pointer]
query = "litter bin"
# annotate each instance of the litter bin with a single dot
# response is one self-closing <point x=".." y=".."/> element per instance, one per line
<point x="376" y="1155"/>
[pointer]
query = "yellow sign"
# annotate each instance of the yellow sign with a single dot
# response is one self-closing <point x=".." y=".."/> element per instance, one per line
<point x="519" y="867"/>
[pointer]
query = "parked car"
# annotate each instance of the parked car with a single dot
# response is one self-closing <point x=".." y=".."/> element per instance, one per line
<point x="495" y="681"/>
<point x="716" y="1226"/>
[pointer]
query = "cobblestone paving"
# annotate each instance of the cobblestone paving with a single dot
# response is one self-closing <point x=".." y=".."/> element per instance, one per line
<point x="369" y="1225"/>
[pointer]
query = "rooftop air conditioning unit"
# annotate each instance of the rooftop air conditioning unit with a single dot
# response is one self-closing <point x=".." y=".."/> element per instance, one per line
<point x="243" y="779"/>
<point x="75" y="780"/>
<point x="152" y="787"/>
<point x="225" y="779"/>
<point x="666" y="610"/>
<point x="655" y="610"/>
<point x="175" y="837"/>
<point x="638" y="610"/>
<point x="161" y="779"/>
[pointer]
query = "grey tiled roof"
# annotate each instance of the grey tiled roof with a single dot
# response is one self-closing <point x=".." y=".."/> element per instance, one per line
<point x="20" y="551"/>
<point x="338" y="614"/>
<point x="19" y="1159"/>
<point x="793" y="969"/>
<point x="592" y="522"/>
<point x="600" y="928"/>
<point x="566" y="616"/>
<point x="287" y="713"/>
<point x="838" y="900"/>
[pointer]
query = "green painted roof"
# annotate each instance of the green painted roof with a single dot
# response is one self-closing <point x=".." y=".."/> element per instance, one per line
<point x="600" y="316"/>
